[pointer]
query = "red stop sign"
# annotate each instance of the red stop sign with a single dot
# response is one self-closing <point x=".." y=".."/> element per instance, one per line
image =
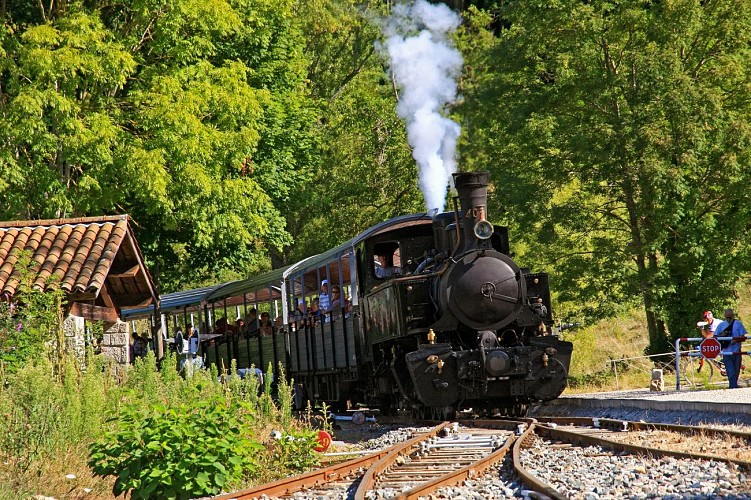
<point x="710" y="348"/>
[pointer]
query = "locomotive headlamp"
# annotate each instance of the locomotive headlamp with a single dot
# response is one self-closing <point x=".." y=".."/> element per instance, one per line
<point x="483" y="230"/>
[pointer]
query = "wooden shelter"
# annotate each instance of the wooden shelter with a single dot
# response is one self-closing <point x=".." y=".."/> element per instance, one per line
<point x="96" y="261"/>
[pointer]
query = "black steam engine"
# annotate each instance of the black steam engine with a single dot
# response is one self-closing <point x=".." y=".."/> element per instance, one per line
<point x="462" y="325"/>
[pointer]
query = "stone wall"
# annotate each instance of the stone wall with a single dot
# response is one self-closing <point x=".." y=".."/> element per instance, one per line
<point x="115" y="343"/>
<point x="75" y="342"/>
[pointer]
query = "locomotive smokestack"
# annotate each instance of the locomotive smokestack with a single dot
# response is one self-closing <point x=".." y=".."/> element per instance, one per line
<point x="472" y="188"/>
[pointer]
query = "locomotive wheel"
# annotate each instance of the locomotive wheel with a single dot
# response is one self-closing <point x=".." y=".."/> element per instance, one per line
<point x="519" y="410"/>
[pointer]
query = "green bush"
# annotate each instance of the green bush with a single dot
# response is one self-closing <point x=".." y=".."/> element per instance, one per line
<point x="31" y="324"/>
<point x="593" y="380"/>
<point x="295" y="451"/>
<point x="177" y="452"/>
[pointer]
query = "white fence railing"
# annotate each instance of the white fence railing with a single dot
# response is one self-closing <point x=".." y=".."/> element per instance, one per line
<point x="698" y="340"/>
<point x="675" y="359"/>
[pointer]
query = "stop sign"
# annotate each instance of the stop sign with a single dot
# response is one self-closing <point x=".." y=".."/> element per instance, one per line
<point x="710" y="348"/>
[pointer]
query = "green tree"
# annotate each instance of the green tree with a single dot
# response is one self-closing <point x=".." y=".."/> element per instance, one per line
<point x="366" y="172"/>
<point x="619" y="140"/>
<point x="192" y="116"/>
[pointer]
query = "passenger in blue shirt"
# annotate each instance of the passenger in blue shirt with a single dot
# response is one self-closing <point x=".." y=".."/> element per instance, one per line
<point x="731" y="327"/>
<point x="324" y="301"/>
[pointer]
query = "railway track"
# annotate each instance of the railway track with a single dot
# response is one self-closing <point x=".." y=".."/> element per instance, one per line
<point x="449" y="455"/>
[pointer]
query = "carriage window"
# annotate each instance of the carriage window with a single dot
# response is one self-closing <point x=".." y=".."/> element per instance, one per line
<point x="386" y="260"/>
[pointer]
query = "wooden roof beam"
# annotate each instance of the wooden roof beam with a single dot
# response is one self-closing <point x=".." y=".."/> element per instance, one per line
<point x="124" y="271"/>
<point x="134" y="300"/>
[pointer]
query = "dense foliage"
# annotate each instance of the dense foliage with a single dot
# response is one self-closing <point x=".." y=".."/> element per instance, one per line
<point x="620" y="143"/>
<point x="160" y="434"/>
<point x="187" y="451"/>
<point x="245" y="133"/>
<point x="157" y="433"/>
<point x="191" y="116"/>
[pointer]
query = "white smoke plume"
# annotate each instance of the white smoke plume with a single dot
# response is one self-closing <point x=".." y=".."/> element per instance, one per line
<point x="425" y="65"/>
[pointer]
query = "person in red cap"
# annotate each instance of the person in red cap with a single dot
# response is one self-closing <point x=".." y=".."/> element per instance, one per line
<point x="707" y="327"/>
<point x="708" y="324"/>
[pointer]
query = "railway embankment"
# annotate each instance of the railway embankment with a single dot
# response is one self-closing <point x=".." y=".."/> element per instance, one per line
<point x="721" y="406"/>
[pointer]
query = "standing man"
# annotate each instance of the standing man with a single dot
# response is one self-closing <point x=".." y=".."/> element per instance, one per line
<point x="194" y="345"/>
<point x="731" y="356"/>
<point x="324" y="301"/>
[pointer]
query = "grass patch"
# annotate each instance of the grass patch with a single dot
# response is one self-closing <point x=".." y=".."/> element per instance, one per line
<point x="597" y="346"/>
<point x="50" y="425"/>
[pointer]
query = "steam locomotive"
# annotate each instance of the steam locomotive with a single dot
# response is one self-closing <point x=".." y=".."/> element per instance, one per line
<point x="468" y="327"/>
<point x="432" y="316"/>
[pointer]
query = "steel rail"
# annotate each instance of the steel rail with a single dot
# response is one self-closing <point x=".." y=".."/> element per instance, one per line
<point x="589" y="440"/>
<point x="456" y="477"/>
<point x="618" y="425"/>
<point x="528" y="478"/>
<point x="368" y="480"/>
<point x="288" y="486"/>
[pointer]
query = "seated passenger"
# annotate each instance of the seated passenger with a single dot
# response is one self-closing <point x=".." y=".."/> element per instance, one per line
<point x="336" y="297"/>
<point x="339" y="305"/>
<point x="315" y="312"/>
<point x="223" y="328"/>
<point x="251" y="323"/>
<point x="265" y="328"/>
<point x="300" y="313"/>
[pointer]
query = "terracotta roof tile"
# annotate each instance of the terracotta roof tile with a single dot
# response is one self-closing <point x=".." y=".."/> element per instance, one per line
<point x="76" y="253"/>
<point x="6" y="243"/>
<point x="51" y="259"/>
<point x="109" y="251"/>
<point x="95" y="243"/>
<point x="7" y="271"/>
<point x="43" y="256"/>
<point x="84" y="246"/>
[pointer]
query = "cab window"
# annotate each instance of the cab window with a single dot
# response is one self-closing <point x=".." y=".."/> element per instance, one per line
<point x="386" y="260"/>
